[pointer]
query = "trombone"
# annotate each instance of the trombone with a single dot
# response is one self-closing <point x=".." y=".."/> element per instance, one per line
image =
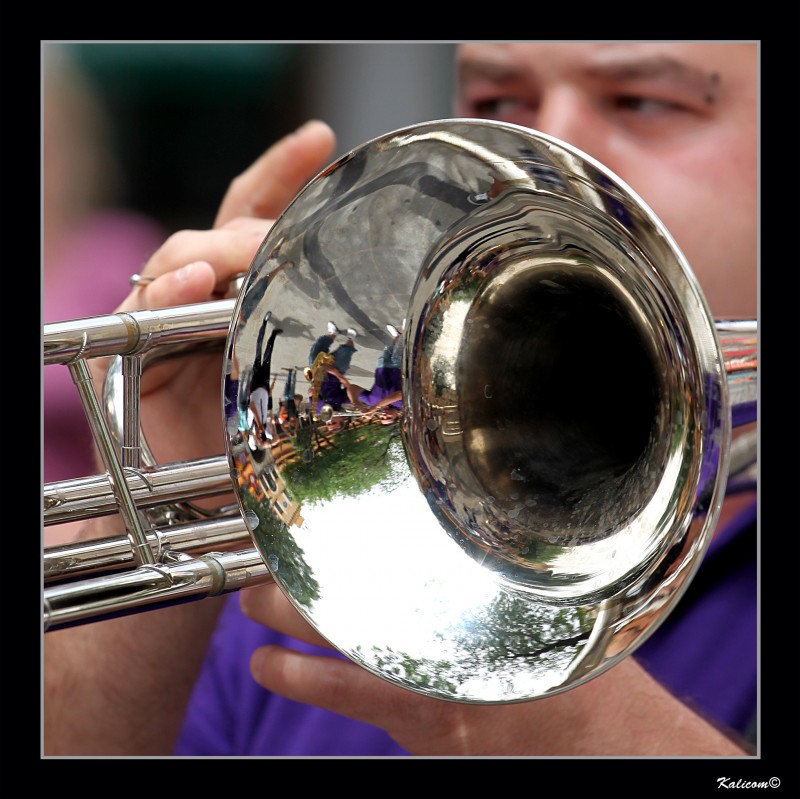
<point x="530" y="507"/>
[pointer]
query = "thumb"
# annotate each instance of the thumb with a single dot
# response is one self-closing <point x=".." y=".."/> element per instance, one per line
<point x="266" y="187"/>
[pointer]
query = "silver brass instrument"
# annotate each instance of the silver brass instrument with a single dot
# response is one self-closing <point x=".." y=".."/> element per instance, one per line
<point x="557" y="471"/>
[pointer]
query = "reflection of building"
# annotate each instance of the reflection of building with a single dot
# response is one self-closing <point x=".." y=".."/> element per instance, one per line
<point x="247" y="478"/>
<point x="266" y="484"/>
<point x="284" y="507"/>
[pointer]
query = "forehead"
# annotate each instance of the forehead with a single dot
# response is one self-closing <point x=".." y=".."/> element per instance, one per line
<point x="615" y="60"/>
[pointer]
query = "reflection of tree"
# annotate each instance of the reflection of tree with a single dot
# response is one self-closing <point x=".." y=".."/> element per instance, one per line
<point x="513" y="629"/>
<point x="363" y="456"/>
<point x="442" y="375"/>
<point x="285" y="558"/>
<point x="421" y="673"/>
<point x="303" y="442"/>
<point x="462" y="288"/>
<point x="510" y="640"/>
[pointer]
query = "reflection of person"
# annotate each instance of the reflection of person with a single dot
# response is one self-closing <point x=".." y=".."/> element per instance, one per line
<point x="261" y="382"/>
<point x="678" y="122"/>
<point x="91" y="242"/>
<point x="385" y="398"/>
<point x="327" y="371"/>
<point x="290" y="404"/>
<point x="342" y="355"/>
<point x="386" y="392"/>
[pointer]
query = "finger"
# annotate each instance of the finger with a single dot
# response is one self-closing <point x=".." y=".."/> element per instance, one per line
<point x="230" y="249"/>
<point x="188" y="285"/>
<point x="337" y="684"/>
<point x="191" y="283"/>
<point x="266" y="188"/>
<point x="268" y="605"/>
<point x="347" y="689"/>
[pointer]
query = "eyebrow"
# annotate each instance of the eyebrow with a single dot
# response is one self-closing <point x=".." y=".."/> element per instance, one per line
<point x="616" y="67"/>
<point x="484" y="68"/>
<point x="658" y="66"/>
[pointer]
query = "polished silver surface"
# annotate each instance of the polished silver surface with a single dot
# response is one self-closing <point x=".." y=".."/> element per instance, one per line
<point x="547" y="489"/>
<point x="563" y="446"/>
<point x="176" y="577"/>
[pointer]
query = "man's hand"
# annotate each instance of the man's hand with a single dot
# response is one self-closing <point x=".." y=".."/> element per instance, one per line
<point x="120" y="687"/>
<point x="623" y="712"/>
<point x="181" y="413"/>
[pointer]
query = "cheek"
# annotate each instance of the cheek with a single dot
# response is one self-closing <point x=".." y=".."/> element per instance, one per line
<point x="723" y="256"/>
<point x="709" y="205"/>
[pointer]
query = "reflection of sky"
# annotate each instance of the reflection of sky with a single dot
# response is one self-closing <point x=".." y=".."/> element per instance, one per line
<point x="447" y="345"/>
<point x="401" y="585"/>
<point x="390" y="576"/>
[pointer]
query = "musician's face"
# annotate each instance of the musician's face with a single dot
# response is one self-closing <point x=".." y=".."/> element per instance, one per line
<point x="677" y="122"/>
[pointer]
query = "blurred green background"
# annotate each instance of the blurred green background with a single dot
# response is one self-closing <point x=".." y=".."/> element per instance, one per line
<point x="188" y="117"/>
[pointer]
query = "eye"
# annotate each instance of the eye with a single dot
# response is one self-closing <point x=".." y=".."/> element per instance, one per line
<point x="645" y="106"/>
<point x="505" y="108"/>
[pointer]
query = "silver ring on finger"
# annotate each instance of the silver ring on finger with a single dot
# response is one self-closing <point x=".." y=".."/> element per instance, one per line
<point x="137" y="280"/>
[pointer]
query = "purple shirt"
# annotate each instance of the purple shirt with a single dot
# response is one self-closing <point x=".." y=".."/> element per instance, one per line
<point x="331" y="392"/>
<point x="388" y="380"/>
<point x="705" y="652"/>
<point x="230" y="714"/>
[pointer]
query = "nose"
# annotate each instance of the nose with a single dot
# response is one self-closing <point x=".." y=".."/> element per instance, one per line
<point x="567" y="114"/>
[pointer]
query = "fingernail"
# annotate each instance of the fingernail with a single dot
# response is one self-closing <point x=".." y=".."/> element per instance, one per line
<point x="184" y="273"/>
<point x="311" y="123"/>
<point x="244" y="602"/>
<point x="257" y="662"/>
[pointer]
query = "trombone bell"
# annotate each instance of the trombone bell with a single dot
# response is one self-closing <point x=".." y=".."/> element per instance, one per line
<point x="558" y="467"/>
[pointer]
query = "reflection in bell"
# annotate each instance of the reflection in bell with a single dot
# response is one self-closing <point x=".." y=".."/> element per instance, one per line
<point x="561" y="391"/>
